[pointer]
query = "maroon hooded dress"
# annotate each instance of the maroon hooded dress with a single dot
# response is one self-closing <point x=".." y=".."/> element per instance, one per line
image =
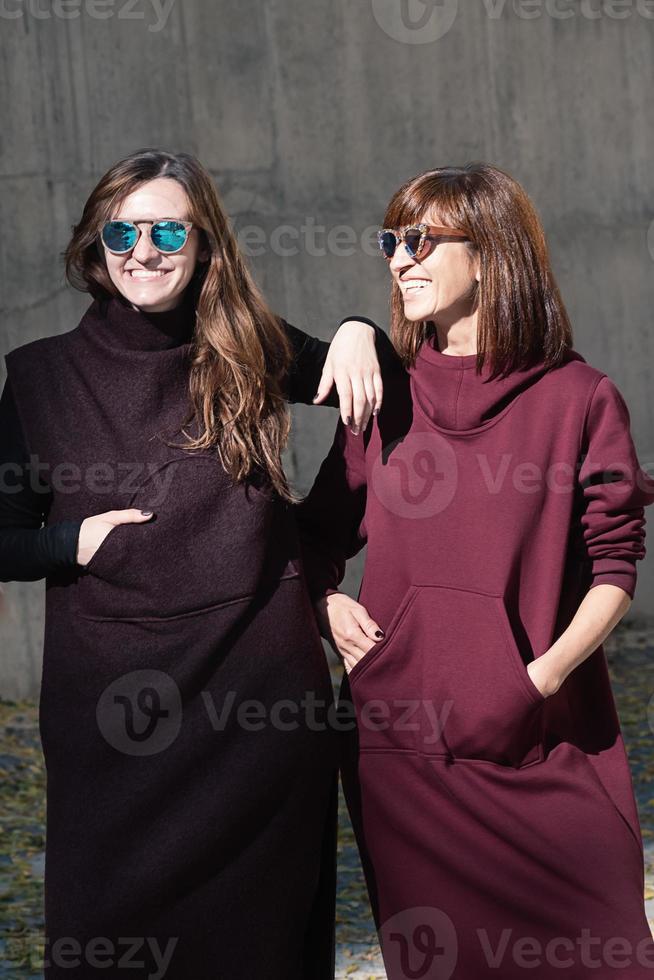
<point x="498" y="828"/>
<point x="191" y="818"/>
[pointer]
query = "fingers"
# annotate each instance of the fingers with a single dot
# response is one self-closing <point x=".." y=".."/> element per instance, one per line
<point x="131" y="516"/>
<point x="326" y="384"/>
<point x="367" y="624"/>
<point x="360" y="405"/>
<point x="352" y="639"/>
<point x="344" y="388"/>
<point x="371" y="401"/>
<point x="378" y="385"/>
<point x="351" y="630"/>
<point x="352" y="653"/>
<point x="356" y="373"/>
<point x="359" y="397"/>
<point x="358" y="635"/>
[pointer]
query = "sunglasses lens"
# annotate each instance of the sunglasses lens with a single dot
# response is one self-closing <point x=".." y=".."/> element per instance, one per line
<point x="412" y="241"/>
<point x="119" y="236"/>
<point x="387" y="243"/>
<point x="169" y="236"/>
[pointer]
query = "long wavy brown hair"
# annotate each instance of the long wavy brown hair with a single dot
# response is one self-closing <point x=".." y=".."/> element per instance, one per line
<point x="241" y="354"/>
<point x="522" y="319"/>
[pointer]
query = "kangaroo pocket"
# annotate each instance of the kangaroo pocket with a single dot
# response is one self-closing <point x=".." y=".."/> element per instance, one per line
<point x="211" y="542"/>
<point x="449" y="668"/>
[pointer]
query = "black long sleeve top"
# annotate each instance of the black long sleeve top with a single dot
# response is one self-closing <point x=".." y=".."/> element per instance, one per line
<point x="30" y="549"/>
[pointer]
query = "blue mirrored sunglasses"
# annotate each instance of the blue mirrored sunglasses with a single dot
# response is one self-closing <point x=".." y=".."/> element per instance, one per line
<point x="168" y="235"/>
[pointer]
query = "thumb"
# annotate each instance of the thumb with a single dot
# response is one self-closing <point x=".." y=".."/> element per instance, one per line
<point x="131" y="516"/>
<point x="372" y="629"/>
<point x="326" y="384"/>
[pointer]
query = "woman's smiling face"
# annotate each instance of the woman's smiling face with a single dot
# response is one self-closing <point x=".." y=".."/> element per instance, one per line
<point x="439" y="284"/>
<point x="150" y="280"/>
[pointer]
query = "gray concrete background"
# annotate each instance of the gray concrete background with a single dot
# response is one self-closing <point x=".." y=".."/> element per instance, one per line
<point x="310" y="115"/>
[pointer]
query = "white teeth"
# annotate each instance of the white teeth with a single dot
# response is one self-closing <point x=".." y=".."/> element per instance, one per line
<point x="145" y="274"/>
<point x="415" y="285"/>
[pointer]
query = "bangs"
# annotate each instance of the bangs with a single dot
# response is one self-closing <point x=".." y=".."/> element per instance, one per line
<point x="435" y="193"/>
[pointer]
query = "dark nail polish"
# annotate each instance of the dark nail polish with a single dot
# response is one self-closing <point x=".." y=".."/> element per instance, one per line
<point x="147" y="513"/>
<point x="380" y="634"/>
<point x="348" y="420"/>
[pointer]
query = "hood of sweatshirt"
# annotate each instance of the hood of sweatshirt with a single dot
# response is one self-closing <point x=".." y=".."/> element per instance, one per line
<point x="452" y="396"/>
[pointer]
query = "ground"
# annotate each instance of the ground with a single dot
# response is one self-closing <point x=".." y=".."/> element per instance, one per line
<point x="630" y="653"/>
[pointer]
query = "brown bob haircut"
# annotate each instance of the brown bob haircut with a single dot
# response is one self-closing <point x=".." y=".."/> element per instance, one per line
<point x="522" y="319"/>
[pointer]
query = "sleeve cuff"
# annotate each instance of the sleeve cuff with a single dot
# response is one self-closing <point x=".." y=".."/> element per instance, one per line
<point x="361" y="319"/>
<point x="611" y="571"/>
<point x="66" y="541"/>
<point x="320" y="574"/>
<point x="387" y="356"/>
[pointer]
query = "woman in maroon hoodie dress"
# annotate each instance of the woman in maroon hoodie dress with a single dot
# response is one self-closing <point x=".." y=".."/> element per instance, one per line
<point x="190" y="812"/>
<point x="501" y="500"/>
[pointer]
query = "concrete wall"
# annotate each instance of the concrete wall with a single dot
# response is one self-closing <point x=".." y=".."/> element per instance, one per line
<point x="310" y="114"/>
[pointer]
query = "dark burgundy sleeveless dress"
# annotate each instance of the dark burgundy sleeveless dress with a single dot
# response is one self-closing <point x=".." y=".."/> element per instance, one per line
<point x="191" y="775"/>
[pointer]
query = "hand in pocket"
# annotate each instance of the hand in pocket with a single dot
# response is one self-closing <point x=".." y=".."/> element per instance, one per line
<point x="348" y="626"/>
<point x="95" y="529"/>
<point x="540" y="676"/>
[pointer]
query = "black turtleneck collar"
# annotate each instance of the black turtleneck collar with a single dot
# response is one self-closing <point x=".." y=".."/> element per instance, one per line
<point x="136" y="329"/>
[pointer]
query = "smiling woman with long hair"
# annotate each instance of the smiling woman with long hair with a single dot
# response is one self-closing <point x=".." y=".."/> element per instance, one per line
<point x="501" y="499"/>
<point x="190" y="794"/>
